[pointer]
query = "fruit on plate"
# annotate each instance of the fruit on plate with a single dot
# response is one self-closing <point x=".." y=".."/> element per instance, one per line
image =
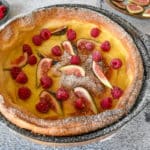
<point x="73" y="70"/>
<point x="83" y="93"/>
<point x="140" y="2"/>
<point x="134" y="8"/>
<point x="146" y="13"/>
<point x="48" y="101"/>
<point x="3" y="10"/>
<point x="100" y="75"/>
<point x="69" y="48"/>
<point x="42" y="69"/>
<point x="119" y="4"/>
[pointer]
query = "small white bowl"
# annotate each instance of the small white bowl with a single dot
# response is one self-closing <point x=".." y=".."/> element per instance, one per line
<point x="3" y="2"/>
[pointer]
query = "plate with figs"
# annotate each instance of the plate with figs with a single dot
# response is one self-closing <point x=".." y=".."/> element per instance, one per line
<point x="135" y="8"/>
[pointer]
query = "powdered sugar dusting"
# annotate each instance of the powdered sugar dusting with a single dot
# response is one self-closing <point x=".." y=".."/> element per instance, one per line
<point x="62" y="123"/>
<point x="27" y="20"/>
<point x="8" y="33"/>
<point x="71" y="81"/>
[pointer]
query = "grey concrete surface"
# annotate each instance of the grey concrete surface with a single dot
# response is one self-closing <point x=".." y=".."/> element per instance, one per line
<point x="135" y="135"/>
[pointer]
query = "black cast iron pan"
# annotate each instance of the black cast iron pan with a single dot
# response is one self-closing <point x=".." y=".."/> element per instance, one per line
<point x="143" y="44"/>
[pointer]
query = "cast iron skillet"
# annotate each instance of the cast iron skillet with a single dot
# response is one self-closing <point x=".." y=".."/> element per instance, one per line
<point x="143" y="45"/>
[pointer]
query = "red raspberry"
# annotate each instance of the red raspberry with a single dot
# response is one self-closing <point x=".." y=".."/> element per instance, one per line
<point x="71" y="35"/>
<point x="89" y="46"/>
<point x="95" y="32"/>
<point x="27" y="48"/>
<point x="116" y="92"/>
<point x="96" y="56"/>
<point x="32" y="60"/>
<point x="37" y="40"/>
<point x="43" y="106"/>
<point x="14" y="72"/>
<point x="105" y="46"/>
<point x="79" y="103"/>
<point x="45" y="34"/>
<point x="116" y="63"/>
<point x="46" y="82"/>
<point x="22" y="78"/>
<point x="62" y="94"/>
<point x="75" y="60"/>
<point x="2" y="14"/>
<point x="106" y="103"/>
<point x="56" y="50"/>
<point x="24" y="93"/>
<point x="3" y="8"/>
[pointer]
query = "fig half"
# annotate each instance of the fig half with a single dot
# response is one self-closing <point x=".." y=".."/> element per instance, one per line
<point x="54" y="104"/>
<point x="140" y="2"/>
<point x="146" y="13"/>
<point x="73" y="70"/>
<point x="83" y="93"/>
<point x="134" y="8"/>
<point x="100" y="75"/>
<point x="42" y="69"/>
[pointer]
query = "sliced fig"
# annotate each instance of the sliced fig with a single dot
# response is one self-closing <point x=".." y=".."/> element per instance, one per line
<point x="134" y="8"/>
<point x="69" y="48"/>
<point x="59" y="31"/>
<point x="73" y="70"/>
<point x="54" y="104"/>
<point x="146" y="13"/>
<point x="86" y="44"/>
<point x="42" y="68"/>
<point x="83" y="93"/>
<point x="21" y="61"/>
<point x="100" y="75"/>
<point x="119" y="4"/>
<point x="140" y="2"/>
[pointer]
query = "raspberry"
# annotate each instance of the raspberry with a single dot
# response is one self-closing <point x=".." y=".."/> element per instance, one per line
<point x="14" y="72"/>
<point x="116" y="63"/>
<point x="95" y="32"/>
<point x="32" y="60"/>
<point x="71" y="35"/>
<point x="105" y="46"/>
<point x="27" y="48"/>
<point x="22" y="78"/>
<point x="79" y="103"/>
<point x="37" y="40"/>
<point x="45" y="34"/>
<point x="106" y="103"/>
<point x="96" y="56"/>
<point x="62" y="94"/>
<point x="46" y="82"/>
<point x="2" y="14"/>
<point x="43" y="106"/>
<point x="56" y="50"/>
<point x="3" y="8"/>
<point x="75" y="60"/>
<point x="89" y="46"/>
<point x="116" y="92"/>
<point x="24" y="93"/>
